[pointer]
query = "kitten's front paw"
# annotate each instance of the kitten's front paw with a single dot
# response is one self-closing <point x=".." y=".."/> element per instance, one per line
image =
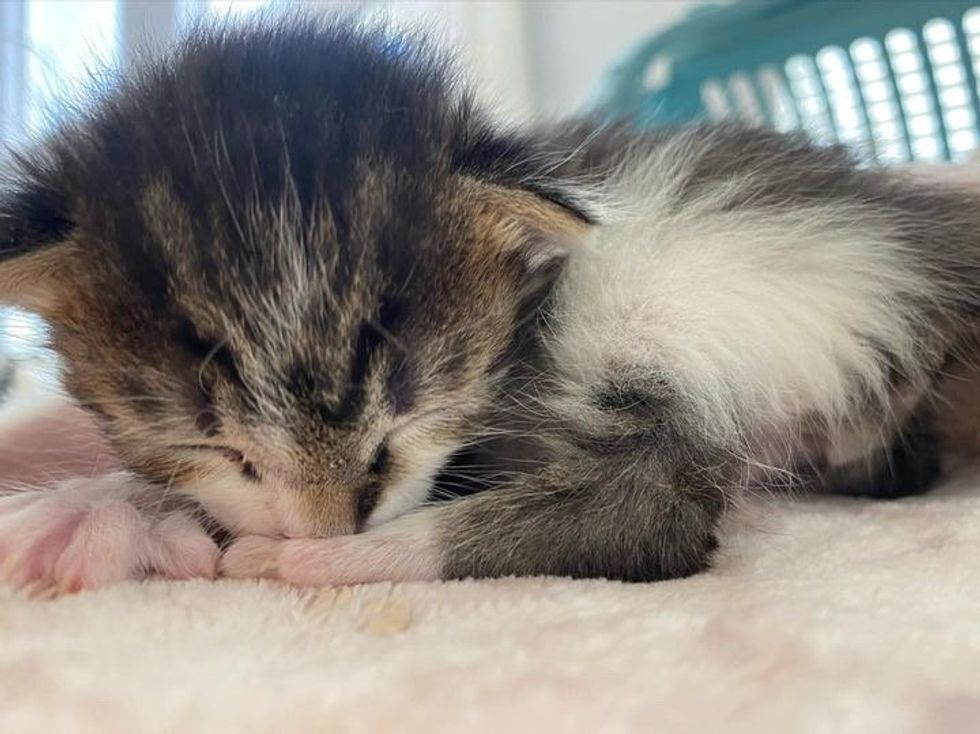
<point x="87" y="533"/>
<point x="402" y="550"/>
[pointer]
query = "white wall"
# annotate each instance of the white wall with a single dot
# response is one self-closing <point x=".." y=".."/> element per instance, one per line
<point x="493" y="41"/>
<point x="574" y="42"/>
<point x="540" y="57"/>
<point x="532" y="58"/>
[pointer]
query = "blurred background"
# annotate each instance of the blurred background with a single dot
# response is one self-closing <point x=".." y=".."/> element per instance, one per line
<point x="897" y="80"/>
<point x="529" y="58"/>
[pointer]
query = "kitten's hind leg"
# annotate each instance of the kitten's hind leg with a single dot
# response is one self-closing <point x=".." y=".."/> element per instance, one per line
<point x="910" y="465"/>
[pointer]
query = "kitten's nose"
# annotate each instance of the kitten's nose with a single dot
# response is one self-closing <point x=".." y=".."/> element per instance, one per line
<point x="315" y="514"/>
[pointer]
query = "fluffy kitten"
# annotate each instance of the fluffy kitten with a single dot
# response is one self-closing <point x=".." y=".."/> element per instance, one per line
<point x="293" y="271"/>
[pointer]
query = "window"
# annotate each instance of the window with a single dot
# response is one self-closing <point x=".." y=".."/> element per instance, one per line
<point x="51" y="52"/>
<point x="66" y="43"/>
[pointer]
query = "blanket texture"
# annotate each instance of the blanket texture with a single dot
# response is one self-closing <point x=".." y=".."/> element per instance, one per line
<point x="821" y="615"/>
<point x="827" y="615"/>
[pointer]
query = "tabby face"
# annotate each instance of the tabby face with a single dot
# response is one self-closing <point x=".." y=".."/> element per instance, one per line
<point x="286" y="270"/>
<point x="295" y="393"/>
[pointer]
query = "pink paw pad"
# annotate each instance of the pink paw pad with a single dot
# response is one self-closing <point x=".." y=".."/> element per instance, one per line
<point x="103" y="549"/>
<point x="179" y="548"/>
<point x="85" y="534"/>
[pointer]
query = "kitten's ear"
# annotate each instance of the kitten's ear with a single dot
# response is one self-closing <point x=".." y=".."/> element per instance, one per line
<point x="35" y="253"/>
<point x="541" y="228"/>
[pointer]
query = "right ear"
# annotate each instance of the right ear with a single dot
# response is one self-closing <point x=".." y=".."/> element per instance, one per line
<point x="35" y="248"/>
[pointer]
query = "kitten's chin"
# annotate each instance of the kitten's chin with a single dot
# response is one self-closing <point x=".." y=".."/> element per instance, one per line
<point x="245" y="508"/>
<point x="241" y="506"/>
<point x="408" y="494"/>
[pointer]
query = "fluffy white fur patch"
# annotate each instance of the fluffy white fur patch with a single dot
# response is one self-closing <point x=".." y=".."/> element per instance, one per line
<point x="751" y="312"/>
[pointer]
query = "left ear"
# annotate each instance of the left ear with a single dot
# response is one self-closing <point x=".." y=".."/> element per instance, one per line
<point x="541" y="230"/>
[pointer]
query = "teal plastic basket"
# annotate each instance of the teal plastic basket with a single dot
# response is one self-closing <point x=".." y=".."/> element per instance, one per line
<point x="897" y="78"/>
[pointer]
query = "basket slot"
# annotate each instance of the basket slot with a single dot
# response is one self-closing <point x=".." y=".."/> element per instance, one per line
<point x="946" y="75"/>
<point x="747" y="103"/>
<point x="715" y="100"/>
<point x="783" y="112"/>
<point x="765" y="108"/>
<point x="916" y="94"/>
<point x="811" y="97"/>
<point x="847" y="110"/>
<point x="963" y="137"/>
<point x="965" y="141"/>
<point x="860" y="104"/>
<point x="968" y="34"/>
<point x="893" y="95"/>
<point x="955" y="85"/>
<point x="879" y="94"/>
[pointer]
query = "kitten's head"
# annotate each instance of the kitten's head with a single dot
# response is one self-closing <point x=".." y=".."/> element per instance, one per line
<point x="285" y="268"/>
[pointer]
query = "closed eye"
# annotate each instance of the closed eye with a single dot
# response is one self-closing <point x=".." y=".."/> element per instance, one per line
<point x="433" y="415"/>
<point x="381" y="459"/>
<point x="233" y="455"/>
<point x="207" y="352"/>
<point x="367" y="500"/>
<point x="368" y="496"/>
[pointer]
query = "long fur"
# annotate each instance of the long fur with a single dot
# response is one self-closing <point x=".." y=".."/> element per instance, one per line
<point x="297" y="292"/>
<point x="758" y="311"/>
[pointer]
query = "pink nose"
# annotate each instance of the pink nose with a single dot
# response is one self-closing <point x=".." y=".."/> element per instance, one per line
<point x="299" y="518"/>
<point x="292" y="522"/>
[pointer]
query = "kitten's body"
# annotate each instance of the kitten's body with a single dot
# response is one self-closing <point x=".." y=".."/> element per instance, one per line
<point x="754" y="312"/>
<point x="291" y="295"/>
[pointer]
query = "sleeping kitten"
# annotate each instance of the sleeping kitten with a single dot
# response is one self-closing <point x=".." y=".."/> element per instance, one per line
<point x="296" y="275"/>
